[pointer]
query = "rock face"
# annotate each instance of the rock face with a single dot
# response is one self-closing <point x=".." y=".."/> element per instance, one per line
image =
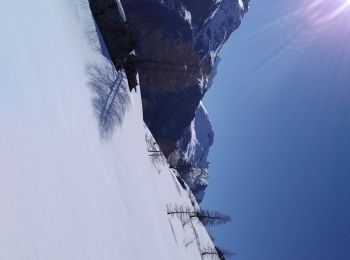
<point x="177" y="46"/>
<point x="111" y="24"/>
<point x="191" y="155"/>
<point x="110" y="19"/>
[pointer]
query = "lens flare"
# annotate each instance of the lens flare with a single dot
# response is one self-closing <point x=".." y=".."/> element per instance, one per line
<point x="305" y="26"/>
<point x="323" y="11"/>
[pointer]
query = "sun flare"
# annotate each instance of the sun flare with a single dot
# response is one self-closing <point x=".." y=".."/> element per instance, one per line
<point x="324" y="12"/>
<point x="340" y="9"/>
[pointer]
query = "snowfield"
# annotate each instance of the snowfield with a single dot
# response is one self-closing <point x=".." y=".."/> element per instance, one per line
<point x="65" y="192"/>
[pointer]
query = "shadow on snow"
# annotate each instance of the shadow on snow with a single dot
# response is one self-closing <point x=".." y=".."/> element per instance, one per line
<point x="111" y="95"/>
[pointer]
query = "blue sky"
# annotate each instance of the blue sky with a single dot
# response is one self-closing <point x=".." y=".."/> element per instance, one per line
<point x="280" y="108"/>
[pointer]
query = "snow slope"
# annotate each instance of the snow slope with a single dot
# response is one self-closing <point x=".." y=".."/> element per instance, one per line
<point x="65" y="193"/>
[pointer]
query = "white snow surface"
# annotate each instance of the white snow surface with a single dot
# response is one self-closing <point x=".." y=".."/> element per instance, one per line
<point x="65" y="193"/>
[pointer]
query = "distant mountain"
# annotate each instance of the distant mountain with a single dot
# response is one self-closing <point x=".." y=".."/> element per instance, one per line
<point x="177" y="48"/>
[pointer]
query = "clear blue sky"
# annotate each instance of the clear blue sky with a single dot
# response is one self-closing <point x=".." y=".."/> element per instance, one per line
<point x="280" y="108"/>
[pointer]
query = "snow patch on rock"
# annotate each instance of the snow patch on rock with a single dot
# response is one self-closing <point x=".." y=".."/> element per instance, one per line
<point x="186" y="14"/>
<point x="193" y="152"/>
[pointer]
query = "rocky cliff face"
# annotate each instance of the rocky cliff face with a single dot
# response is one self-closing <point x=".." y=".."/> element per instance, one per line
<point x="192" y="152"/>
<point x="177" y="46"/>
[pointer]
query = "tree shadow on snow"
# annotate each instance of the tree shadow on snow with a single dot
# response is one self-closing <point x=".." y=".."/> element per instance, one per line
<point x="111" y="96"/>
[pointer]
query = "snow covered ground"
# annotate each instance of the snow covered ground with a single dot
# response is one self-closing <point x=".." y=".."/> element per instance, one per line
<point x="65" y="193"/>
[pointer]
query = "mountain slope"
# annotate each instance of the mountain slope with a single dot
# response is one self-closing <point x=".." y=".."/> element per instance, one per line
<point x="65" y="192"/>
<point x="178" y="42"/>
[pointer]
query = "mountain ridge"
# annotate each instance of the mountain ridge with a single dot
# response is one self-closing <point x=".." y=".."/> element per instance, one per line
<point x="200" y="28"/>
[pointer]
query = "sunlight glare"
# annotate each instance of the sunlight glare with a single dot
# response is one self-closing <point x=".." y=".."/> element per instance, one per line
<point x="339" y="10"/>
<point x="323" y="12"/>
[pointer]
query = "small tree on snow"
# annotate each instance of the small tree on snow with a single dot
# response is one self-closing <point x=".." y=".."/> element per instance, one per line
<point x="212" y="217"/>
<point x="207" y="217"/>
<point x="216" y="253"/>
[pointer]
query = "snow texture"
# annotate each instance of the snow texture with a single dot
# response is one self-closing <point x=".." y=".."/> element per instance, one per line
<point x="65" y="193"/>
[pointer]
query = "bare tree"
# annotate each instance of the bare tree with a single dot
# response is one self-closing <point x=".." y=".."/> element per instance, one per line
<point x="111" y="96"/>
<point x="157" y="158"/>
<point x="184" y="213"/>
<point x="156" y="155"/>
<point x="186" y="167"/>
<point x="213" y="217"/>
<point x="216" y="253"/>
<point x="207" y="217"/>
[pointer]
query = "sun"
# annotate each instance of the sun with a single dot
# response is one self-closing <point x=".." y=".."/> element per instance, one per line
<point x="343" y="7"/>
<point x="347" y="3"/>
<point x="325" y="12"/>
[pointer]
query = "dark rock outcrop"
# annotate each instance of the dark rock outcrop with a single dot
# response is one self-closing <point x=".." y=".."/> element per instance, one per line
<point x="117" y="37"/>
